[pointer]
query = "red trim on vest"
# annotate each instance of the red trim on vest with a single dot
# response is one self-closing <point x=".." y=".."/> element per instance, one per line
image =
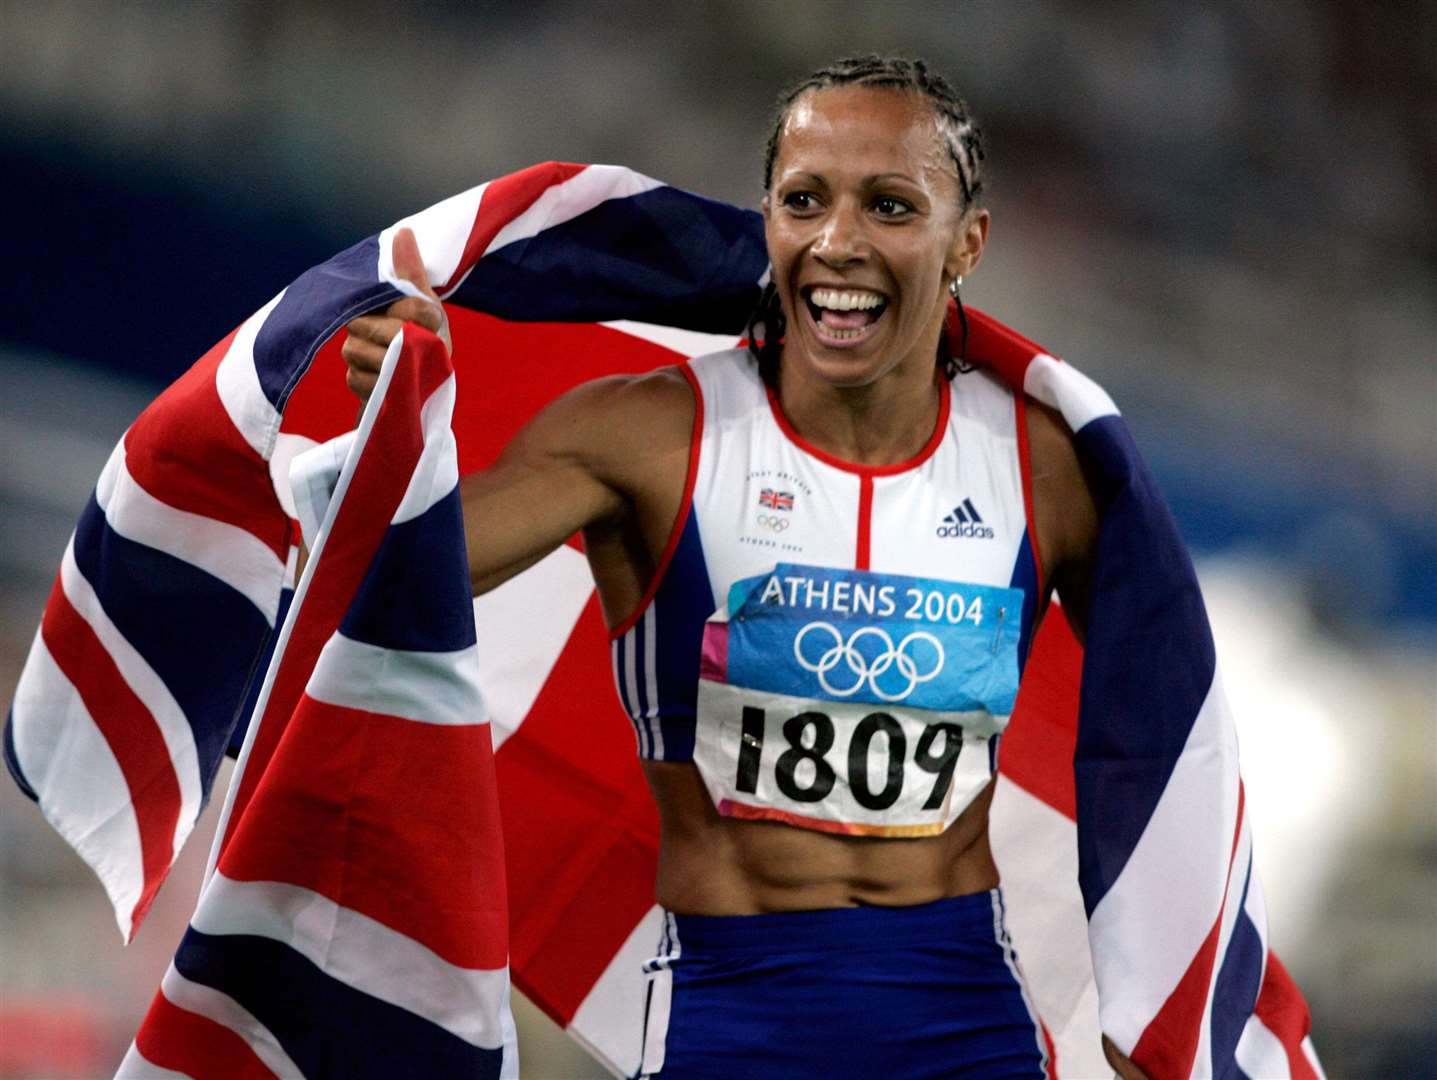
<point x="865" y="522"/>
<point x="1025" y="468"/>
<point x="939" y="429"/>
<point x="685" y="508"/>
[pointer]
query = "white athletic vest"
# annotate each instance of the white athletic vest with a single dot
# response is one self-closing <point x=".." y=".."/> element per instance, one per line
<point x="837" y="646"/>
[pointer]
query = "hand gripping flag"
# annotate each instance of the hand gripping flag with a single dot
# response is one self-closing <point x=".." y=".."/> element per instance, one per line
<point x="168" y="593"/>
<point x="355" y="922"/>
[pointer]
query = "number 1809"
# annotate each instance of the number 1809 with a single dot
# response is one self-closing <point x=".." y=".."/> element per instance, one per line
<point x="801" y="747"/>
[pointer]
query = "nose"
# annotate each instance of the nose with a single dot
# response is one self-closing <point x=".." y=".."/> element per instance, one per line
<point x="840" y="242"/>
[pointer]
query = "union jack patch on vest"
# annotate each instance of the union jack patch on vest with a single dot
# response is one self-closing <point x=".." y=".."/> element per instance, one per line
<point x="776" y="500"/>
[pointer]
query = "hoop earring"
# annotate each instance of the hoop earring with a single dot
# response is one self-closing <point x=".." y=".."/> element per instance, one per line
<point x="960" y="361"/>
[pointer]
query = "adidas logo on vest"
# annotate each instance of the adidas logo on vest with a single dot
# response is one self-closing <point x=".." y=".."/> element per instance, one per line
<point x="964" y="520"/>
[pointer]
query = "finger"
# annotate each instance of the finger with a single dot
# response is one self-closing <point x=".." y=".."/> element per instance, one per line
<point x="362" y="356"/>
<point x="409" y="264"/>
<point x="379" y="329"/>
<point x="426" y="313"/>
<point x="361" y="384"/>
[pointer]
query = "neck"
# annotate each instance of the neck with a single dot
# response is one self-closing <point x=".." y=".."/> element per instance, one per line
<point x="885" y="422"/>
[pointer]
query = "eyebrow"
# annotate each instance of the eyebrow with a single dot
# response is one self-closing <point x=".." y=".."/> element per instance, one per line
<point x="877" y="178"/>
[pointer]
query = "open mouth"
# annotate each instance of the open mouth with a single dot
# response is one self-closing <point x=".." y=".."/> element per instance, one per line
<point x="843" y="315"/>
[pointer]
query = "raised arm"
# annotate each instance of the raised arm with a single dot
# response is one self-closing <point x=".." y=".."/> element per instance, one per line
<point x="607" y="459"/>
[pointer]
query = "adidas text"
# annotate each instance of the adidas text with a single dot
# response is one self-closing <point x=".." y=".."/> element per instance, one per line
<point x="980" y="532"/>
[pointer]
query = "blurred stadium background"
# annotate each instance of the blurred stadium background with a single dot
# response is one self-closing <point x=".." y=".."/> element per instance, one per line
<point x="1225" y="212"/>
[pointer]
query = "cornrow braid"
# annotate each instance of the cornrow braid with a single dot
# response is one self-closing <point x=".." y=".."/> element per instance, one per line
<point x="961" y="137"/>
<point x="961" y="134"/>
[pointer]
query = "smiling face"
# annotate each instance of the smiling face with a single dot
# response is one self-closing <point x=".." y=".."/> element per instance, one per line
<point x="865" y="229"/>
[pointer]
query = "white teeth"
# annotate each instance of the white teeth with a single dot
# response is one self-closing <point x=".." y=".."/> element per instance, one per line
<point x="836" y="300"/>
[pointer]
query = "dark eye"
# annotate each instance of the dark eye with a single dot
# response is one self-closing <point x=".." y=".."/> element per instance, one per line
<point x="799" y="201"/>
<point x="888" y="206"/>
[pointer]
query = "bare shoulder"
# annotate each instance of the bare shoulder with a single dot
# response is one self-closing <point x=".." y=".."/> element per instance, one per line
<point x="1050" y="443"/>
<point x="613" y="424"/>
<point x="1066" y="515"/>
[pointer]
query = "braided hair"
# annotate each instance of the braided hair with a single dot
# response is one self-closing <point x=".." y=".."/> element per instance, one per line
<point x="961" y="137"/>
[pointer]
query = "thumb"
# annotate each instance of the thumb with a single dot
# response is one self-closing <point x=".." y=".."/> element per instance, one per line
<point x="409" y="264"/>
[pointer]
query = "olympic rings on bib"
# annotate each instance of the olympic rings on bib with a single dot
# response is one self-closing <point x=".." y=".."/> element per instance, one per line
<point x="773" y="521"/>
<point x="861" y="667"/>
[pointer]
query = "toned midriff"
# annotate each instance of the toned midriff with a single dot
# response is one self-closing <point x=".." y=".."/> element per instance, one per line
<point x="712" y="865"/>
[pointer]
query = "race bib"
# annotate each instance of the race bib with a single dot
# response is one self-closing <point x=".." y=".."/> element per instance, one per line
<point x="854" y="702"/>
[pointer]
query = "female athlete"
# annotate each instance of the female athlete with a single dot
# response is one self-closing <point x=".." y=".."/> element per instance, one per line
<point x="822" y="564"/>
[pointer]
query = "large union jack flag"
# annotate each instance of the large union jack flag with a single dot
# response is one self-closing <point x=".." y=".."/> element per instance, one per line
<point x="355" y="922"/>
<point x="178" y="578"/>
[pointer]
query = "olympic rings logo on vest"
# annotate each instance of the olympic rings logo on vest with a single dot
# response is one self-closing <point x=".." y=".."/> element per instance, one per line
<point x="773" y="522"/>
<point x="864" y="669"/>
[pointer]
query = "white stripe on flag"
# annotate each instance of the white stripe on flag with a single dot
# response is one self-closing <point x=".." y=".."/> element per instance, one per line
<point x="237" y="381"/>
<point x="1169" y="891"/>
<point x="287" y="447"/>
<point x="428" y="687"/>
<point x="147" y="686"/>
<point x="1068" y="390"/>
<point x="1037" y="856"/>
<point x="442" y="230"/>
<point x="566" y="201"/>
<point x="1256" y="909"/>
<point x="1232" y="909"/>
<point x="362" y="953"/>
<point x="522" y="627"/>
<point x="73" y="771"/>
<point x="311" y="479"/>
<point x="436" y="473"/>
<point x="227" y="1012"/>
<point x="1260" y="1052"/>
<point x="237" y="557"/>
<point x="135" y="1066"/>
<point x="689" y="343"/>
<point x="609" y="1023"/>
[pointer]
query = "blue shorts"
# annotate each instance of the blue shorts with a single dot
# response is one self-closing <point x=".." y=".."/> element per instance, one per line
<point x="927" y="991"/>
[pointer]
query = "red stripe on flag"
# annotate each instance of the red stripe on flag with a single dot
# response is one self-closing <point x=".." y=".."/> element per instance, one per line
<point x="582" y="860"/>
<point x="185" y="1042"/>
<point x="393" y="818"/>
<point x="504" y="200"/>
<point x="1281" y="1008"/>
<point x="1037" y="748"/>
<point x="1052" y="1049"/>
<point x="130" y="731"/>
<point x="1169" y="1044"/>
<point x="999" y="348"/>
<point x="221" y="476"/>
